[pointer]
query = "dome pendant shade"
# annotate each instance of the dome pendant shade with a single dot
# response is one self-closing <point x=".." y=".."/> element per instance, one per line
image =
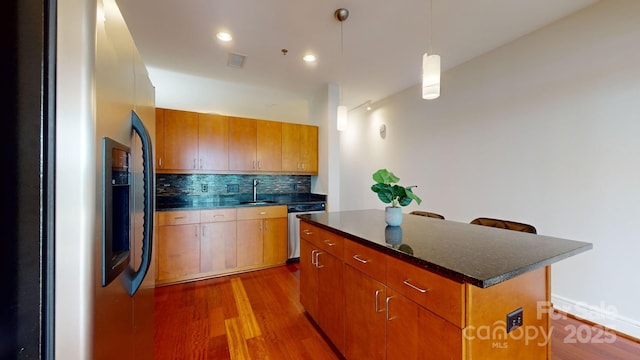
<point x="430" y="76"/>
<point x="342" y="118"/>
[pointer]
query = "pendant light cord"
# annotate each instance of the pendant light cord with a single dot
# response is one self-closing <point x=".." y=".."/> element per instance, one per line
<point x="341" y="59"/>
<point x="430" y="26"/>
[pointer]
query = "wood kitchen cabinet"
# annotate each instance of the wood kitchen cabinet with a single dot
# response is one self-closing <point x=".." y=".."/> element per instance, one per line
<point x="180" y="151"/>
<point x="178" y="244"/>
<point x="195" y="244"/>
<point x="365" y="319"/>
<point x="365" y="302"/>
<point x="299" y="148"/>
<point x="213" y="142"/>
<point x="218" y="242"/>
<point x="255" y="145"/>
<point x="356" y="304"/>
<point x="322" y="266"/>
<point x="159" y="143"/>
<point x="191" y="142"/>
<point x="262" y="236"/>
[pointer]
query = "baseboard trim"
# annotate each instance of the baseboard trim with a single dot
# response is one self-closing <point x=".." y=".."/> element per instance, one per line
<point x="605" y="316"/>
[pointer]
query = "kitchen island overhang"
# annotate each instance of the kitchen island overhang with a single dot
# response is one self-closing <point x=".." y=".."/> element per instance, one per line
<point x="479" y="255"/>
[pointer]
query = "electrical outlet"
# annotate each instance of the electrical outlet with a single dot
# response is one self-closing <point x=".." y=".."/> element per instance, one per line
<point x="204" y="187"/>
<point x="514" y="320"/>
<point x="233" y="188"/>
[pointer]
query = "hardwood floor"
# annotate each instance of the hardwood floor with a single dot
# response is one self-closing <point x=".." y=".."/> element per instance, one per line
<point x="257" y="315"/>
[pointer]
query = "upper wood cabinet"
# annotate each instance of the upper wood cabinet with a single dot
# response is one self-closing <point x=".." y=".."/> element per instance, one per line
<point x="255" y="145"/>
<point x="242" y="144"/>
<point x="213" y="142"/>
<point x="180" y="140"/>
<point x="189" y="141"/>
<point x="269" y="146"/>
<point x="299" y="148"/>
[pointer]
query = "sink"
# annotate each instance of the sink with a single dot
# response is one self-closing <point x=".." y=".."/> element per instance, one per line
<point x="258" y="202"/>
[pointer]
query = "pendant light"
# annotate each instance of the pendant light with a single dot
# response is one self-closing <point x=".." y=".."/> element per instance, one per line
<point x="430" y="66"/>
<point x="341" y="14"/>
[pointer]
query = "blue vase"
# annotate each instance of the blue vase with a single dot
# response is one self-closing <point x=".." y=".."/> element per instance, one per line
<point x="393" y="215"/>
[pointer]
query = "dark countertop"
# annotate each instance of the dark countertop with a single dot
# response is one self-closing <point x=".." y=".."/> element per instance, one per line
<point x="171" y="203"/>
<point x="475" y="254"/>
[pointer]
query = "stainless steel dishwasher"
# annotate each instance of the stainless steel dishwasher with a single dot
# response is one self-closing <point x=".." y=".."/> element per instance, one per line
<point x="294" y="225"/>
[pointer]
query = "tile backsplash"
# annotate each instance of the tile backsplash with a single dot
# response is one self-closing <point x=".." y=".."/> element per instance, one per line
<point x="214" y="185"/>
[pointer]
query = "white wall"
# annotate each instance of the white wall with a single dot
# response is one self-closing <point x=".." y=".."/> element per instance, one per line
<point x="546" y="131"/>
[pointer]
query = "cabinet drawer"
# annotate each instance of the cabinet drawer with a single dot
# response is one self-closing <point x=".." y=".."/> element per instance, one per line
<point x="434" y="292"/>
<point x="261" y="212"/>
<point x="330" y="242"/>
<point x="309" y="232"/>
<point x="208" y="216"/>
<point x="178" y="217"/>
<point x="365" y="259"/>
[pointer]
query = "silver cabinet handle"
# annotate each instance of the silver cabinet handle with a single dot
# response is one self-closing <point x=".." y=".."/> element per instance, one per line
<point x="406" y="282"/>
<point x="178" y="217"/>
<point x="378" y="310"/>
<point x="259" y="164"/>
<point x="328" y="242"/>
<point x="313" y="257"/>
<point x="218" y="216"/>
<point x="307" y="232"/>
<point x="358" y="258"/>
<point x="254" y="164"/>
<point x="160" y="161"/>
<point x="262" y="213"/>
<point x="201" y="163"/>
<point x="389" y="318"/>
<point x="318" y="260"/>
<point x="194" y="163"/>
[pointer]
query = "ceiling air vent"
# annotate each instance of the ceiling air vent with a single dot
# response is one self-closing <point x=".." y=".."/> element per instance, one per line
<point x="236" y="60"/>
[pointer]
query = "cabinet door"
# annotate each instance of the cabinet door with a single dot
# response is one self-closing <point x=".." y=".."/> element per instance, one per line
<point x="309" y="149"/>
<point x="178" y="251"/>
<point x="275" y="241"/>
<point x="250" y="245"/>
<point x="213" y="142"/>
<point x="242" y="144"/>
<point x="438" y="338"/>
<point x="269" y="146"/>
<point x="159" y="138"/>
<point x="217" y="246"/>
<point x="290" y="147"/>
<point x="331" y="298"/>
<point x="365" y="316"/>
<point x="308" y="279"/>
<point x="402" y="327"/>
<point x="180" y="140"/>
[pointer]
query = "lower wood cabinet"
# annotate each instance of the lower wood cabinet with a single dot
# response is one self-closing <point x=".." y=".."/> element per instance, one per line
<point x="321" y="285"/>
<point x="197" y="244"/>
<point x="178" y="251"/>
<point x="262" y="236"/>
<point x="365" y="316"/>
<point x="375" y="306"/>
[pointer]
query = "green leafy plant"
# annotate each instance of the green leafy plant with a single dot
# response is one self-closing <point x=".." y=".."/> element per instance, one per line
<point x="396" y="195"/>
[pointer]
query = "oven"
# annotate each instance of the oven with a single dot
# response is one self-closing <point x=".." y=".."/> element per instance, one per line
<point x="294" y="225"/>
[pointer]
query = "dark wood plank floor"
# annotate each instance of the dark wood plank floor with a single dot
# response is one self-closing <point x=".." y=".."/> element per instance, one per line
<point x="258" y="315"/>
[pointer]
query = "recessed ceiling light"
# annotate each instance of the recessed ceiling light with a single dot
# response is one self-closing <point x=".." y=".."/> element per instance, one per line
<point x="309" y="58"/>
<point x="224" y="36"/>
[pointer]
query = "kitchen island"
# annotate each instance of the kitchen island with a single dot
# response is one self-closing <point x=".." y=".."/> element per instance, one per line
<point x="428" y="289"/>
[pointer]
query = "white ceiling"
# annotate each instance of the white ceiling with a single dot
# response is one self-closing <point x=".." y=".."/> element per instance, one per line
<point x="383" y="45"/>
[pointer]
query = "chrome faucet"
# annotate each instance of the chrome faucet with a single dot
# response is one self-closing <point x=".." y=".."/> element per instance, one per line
<point x="255" y="190"/>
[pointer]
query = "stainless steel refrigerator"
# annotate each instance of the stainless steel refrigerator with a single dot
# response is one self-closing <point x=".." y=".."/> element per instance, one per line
<point x="105" y="129"/>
